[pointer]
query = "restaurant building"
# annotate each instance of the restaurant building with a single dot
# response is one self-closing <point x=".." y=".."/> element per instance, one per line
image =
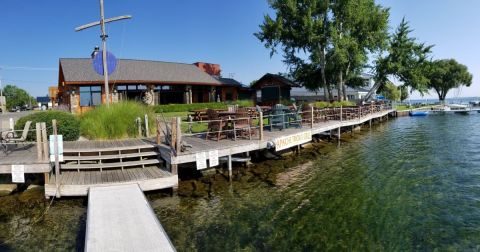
<point x="152" y="82"/>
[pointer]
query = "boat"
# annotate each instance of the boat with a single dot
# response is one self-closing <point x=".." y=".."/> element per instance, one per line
<point x="418" y="113"/>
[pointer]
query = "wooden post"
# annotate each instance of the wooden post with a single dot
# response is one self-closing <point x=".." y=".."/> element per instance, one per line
<point x="55" y="154"/>
<point x="46" y="154"/>
<point x="174" y="169"/>
<point x="230" y="168"/>
<point x="147" y="130"/>
<point x="159" y="131"/>
<point x="311" y="114"/>
<point x="139" y="126"/>
<point x="179" y="134"/>
<point x="341" y="113"/>
<point x="260" y="130"/>
<point x="359" y="112"/>
<point x="338" y="132"/>
<point x="173" y="137"/>
<point x="39" y="142"/>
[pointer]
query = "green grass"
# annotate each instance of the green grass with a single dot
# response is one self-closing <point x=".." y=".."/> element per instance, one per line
<point x="116" y="121"/>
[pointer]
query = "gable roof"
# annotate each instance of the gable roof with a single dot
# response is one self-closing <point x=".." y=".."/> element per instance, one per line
<point x="80" y="70"/>
<point x="282" y="80"/>
<point x="230" y="82"/>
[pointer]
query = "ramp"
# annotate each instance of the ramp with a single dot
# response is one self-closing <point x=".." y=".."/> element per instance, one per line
<point x="120" y="218"/>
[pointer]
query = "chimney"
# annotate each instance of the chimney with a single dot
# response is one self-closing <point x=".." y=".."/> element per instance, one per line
<point x="209" y="68"/>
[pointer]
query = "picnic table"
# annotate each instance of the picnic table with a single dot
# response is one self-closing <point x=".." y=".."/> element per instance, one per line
<point x="201" y="114"/>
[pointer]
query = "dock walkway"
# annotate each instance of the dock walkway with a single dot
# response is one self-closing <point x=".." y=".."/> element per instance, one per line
<point x="120" y="218"/>
<point x="228" y="147"/>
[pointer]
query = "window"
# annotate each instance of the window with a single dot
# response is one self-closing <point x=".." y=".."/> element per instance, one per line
<point x="90" y="96"/>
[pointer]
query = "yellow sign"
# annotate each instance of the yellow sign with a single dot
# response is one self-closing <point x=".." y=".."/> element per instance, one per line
<point x="286" y="142"/>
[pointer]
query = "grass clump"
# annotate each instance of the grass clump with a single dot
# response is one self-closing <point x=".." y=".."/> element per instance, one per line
<point x="116" y="121"/>
<point x="68" y="125"/>
<point x="167" y="108"/>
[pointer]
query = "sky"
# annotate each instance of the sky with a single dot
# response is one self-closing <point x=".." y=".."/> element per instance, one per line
<point x="35" y="34"/>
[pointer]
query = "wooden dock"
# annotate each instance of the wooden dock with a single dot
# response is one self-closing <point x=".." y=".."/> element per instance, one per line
<point x="26" y="156"/>
<point x="228" y="147"/>
<point x="120" y="218"/>
<point x="106" y="163"/>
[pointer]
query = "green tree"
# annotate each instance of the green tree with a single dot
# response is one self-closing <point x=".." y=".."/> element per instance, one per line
<point x="390" y="91"/>
<point x="16" y="96"/>
<point x="405" y="59"/>
<point x="324" y="41"/>
<point x="447" y="74"/>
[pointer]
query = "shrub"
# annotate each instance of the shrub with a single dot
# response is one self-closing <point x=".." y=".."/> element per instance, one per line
<point x="336" y="104"/>
<point x="68" y="125"/>
<point x="211" y="105"/>
<point x="116" y="121"/>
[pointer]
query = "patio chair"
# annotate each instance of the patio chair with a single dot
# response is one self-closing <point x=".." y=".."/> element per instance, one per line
<point x="295" y="116"/>
<point x="215" y="124"/>
<point x="242" y="123"/>
<point x="10" y="136"/>
<point x="278" y="117"/>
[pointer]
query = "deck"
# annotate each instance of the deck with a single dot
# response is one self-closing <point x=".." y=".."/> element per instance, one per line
<point x="228" y="147"/>
<point x="26" y="156"/>
<point x="89" y="164"/>
<point x="120" y="218"/>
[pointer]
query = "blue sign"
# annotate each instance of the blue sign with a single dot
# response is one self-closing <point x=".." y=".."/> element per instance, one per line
<point x="98" y="63"/>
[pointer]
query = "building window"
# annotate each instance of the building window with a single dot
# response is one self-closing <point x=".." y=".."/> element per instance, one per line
<point x="90" y="96"/>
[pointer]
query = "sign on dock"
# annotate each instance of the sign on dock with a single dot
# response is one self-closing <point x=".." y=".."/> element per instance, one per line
<point x="286" y="142"/>
<point x="18" y="173"/>
<point x="119" y="218"/>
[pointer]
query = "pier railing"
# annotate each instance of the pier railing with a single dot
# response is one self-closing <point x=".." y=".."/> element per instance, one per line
<point x="252" y="126"/>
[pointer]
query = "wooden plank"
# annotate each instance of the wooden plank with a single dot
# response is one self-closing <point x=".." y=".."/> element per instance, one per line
<point x="110" y="165"/>
<point x="132" y="226"/>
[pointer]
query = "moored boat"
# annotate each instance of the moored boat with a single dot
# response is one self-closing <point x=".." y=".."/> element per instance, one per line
<point x="418" y="113"/>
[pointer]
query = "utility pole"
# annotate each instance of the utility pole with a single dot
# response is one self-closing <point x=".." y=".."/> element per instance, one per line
<point x="104" y="37"/>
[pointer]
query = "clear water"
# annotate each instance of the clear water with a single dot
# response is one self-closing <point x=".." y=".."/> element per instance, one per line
<point x="409" y="184"/>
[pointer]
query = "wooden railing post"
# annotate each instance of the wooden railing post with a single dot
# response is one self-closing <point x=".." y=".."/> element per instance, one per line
<point x="159" y="131"/>
<point x="55" y="154"/>
<point x="260" y="123"/>
<point x="359" y="112"/>
<point x="46" y="154"/>
<point x="179" y="134"/>
<point x="38" y="133"/>
<point x="311" y="114"/>
<point x="341" y="113"/>
<point x="147" y="130"/>
<point x="173" y="136"/>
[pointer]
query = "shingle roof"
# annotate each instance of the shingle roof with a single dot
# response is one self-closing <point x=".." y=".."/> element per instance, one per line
<point x="280" y="78"/>
<point x="81" y="70"/>
<point x="230" y="82"/>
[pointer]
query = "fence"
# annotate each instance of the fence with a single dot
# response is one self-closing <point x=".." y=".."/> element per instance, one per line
<point x="253" y="125"/>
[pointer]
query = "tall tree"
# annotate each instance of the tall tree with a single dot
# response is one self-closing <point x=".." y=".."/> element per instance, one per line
<point x="16" y="96"/>
<point x="447" y="74"/>
<point x="405" y="59"/>
<point x="322" y="38"/>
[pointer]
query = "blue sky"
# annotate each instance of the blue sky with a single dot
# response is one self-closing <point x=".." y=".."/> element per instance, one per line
<point x="35" y="34"/>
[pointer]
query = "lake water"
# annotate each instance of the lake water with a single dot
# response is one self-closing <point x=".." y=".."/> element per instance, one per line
<point x="408" y="184"/>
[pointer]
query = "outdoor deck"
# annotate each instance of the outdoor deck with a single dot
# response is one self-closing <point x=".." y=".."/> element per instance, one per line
<point x="107" y="163"/>
<point x="26" y="156"/>
<point x="228" y="147"/>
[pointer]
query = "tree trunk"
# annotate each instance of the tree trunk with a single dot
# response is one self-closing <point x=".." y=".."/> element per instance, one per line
<point x="323" y="63"/>
<point x="329" y="89"/>
<point x="339" y="86"/>
<point x="374" y="89"/>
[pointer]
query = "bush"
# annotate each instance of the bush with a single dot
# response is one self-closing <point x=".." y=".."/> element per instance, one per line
<point x="212" y="105"/>
<point x="68" y="125"/>
<point x="116" y="121"/>
<point x="336" y="104"/>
